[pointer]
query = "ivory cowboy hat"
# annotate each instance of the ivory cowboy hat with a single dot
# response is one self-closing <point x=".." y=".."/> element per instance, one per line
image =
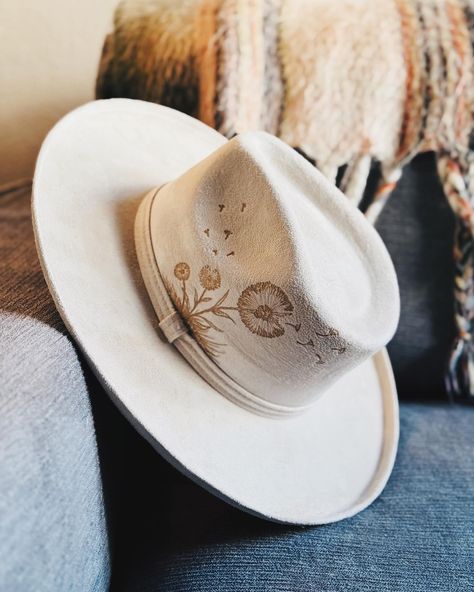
<point x="231" y="300"/>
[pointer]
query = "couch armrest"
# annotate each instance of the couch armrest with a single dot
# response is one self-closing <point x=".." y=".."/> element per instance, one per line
<point x="52" y="527"/>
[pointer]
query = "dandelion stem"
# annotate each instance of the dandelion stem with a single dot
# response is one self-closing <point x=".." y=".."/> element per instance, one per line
<point x="212" y="309"/>
<point x="183" y="287"/>
<point x="198" y="302"/>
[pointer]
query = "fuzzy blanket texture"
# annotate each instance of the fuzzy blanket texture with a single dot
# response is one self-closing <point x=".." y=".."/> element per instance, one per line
<point x="346" y="82"/>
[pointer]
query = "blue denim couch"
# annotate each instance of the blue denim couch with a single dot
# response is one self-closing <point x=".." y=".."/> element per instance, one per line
<point x="87" y="505"/>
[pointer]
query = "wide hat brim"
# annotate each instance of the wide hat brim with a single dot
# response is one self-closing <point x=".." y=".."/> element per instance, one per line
<point x="92" y="170"/>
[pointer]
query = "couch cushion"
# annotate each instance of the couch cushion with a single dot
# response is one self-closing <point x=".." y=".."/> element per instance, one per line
<point x="417" y="225"/>
<point x="418" y="536"/>
<point x="52" y="524"/>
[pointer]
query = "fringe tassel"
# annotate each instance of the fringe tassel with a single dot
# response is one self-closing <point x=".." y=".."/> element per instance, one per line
<point x="387" y="184"/>
<point x="354" y="181"/>
<point x="454" y="175"/>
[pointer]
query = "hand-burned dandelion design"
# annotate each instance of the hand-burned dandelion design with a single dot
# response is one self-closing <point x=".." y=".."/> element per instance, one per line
<point x="263" y="308"/>
<point x="199" y="315"/>
<point x="209" y="279"/>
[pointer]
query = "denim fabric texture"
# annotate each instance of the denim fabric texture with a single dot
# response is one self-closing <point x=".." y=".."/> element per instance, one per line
<point x="417" y="537"/>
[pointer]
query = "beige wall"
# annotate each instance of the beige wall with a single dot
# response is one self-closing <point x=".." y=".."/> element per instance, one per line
<point x="49" y="52"/>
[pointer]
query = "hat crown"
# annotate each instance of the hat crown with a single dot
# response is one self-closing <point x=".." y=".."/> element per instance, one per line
<point x="281" y="281"/>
